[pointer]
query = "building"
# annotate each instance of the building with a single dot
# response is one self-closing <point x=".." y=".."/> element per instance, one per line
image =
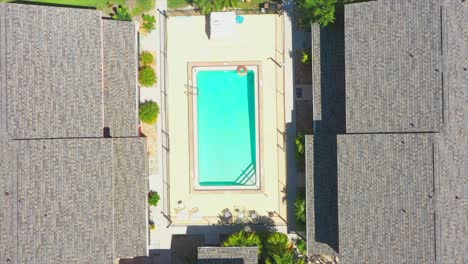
<point x="74" y="171"/>
<point x="386" y="167"/>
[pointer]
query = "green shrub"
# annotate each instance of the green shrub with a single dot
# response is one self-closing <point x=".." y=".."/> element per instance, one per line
<point x="146" y="58"/>
<point x="305" y="59"/>
<point x="300" y="148"/>
<point x="153" y="198"/>
<point x="149" y="112"/>
<point x="300" y="211"/>
<point x="208" y="6"/>
<point x="147" y="76"/>
<point x="316" y="11"/>
<point x="149" y="22"/>
<point x="121" y="13"/>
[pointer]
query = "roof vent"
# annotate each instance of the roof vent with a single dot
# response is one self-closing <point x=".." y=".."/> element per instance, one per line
<point x="107" y="133"/>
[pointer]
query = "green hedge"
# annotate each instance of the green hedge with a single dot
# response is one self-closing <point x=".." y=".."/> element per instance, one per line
<point x="149" y="112"/>
<point x="147" y="76"/>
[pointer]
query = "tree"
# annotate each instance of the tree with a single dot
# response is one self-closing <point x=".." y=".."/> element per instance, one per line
<point x="208" y="6"/>
<point x="287" y="258"/>
<point x="316" y="11"/>
<point x="149" y="112"/>
<point x="300" y="210"/>
<point x="147" y="76"/>
<point x="149" y="22"/>
<point x="277" y="244"/>
<point x="121" y="13"/>
<point x="244" y="239"/>
<point x="279" y="250"/>
<point x="273" y="247"/>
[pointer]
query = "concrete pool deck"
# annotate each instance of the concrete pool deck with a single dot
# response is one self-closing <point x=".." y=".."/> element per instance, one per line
<point x="259" y="39"/>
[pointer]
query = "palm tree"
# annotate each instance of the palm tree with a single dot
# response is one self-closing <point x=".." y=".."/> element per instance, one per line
<point x="301" y="246"/>
<point x="244" y="239"/>
<point x="277" y="244"/>
<point x="287" y="258"/>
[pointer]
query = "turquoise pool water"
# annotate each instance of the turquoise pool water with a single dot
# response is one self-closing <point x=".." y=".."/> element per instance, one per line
<point x="226" y="128"/>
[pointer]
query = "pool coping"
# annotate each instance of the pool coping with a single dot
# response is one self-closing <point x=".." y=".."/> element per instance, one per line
<point x="194" y="187"/>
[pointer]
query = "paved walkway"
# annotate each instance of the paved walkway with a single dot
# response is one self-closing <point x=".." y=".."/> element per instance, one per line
<point x="158" y="238"/>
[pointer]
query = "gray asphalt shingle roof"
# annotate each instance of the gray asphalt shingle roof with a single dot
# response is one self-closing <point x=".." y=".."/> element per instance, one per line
<point x="393" y="66"/>
<point x="397" y="202"/>
<point x="451" y="149"/>
<point x="69" y="195"/>
<point x="70" y="200"/>
<point x="54" y="71"/>
<point x="386" y="205"/>
<point x="321" y="195"/>
<point x="120" y="78"/>
<point x="227" y="255"/>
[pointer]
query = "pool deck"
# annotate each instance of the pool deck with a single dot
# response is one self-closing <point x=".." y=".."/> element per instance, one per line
<point x="187" y="44"/>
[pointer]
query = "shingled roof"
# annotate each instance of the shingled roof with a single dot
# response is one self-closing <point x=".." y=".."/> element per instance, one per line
<point x="59" y="78"/>
<point x="386" y="205"/>
<point x="73" y="200"/>
<point x="402" y="197"/>
<point x="227" y="255"/>
<point x="393" y="66"/>
<point x="321" y="194"/>
<point x="68" y="194"/>
<point x="54" y="71"/>
<point x="120" y="75"/>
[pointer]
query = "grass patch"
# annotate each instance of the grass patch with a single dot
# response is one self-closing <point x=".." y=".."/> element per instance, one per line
<point x="136" y="8"/>
<point x="141" y="6"/>
<point x="253" y="4"/>
<point x="175" y="4"/>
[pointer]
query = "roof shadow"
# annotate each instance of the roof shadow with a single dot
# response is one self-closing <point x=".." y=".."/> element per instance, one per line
<point x="325" y="190"/>
<point x="332" y="74"/>
<point x="333" y="122"/>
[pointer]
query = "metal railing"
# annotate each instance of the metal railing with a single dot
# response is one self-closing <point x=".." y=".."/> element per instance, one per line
<point x="239" y="11"/>
<point x="165" y="141"/>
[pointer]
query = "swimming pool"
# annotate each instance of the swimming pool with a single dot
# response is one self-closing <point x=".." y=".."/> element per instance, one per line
<point x="225" y="128"/>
